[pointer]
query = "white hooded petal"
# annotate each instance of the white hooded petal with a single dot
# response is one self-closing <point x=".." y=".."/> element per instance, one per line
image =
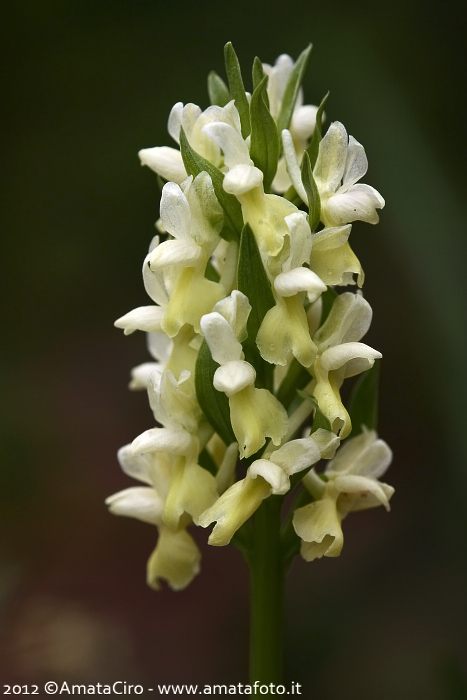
<point x="165" y="161"/>
<point x="272" y="473"/>
<point x="182" y="115"/>
<point x="154" y="282"/>
<point x="235" y="309"/>
<point x="356" y="164"/>
<point x="144" y="318"/>
<point x="234" y="376"/>
<point x="141" y="374"/>
<point x="359" y="203"/>
<point x="241" y="179"/>
<point x="356" y="356"/>
<point x="348" y="321"/>
<point x="279" y="75"/>
<point x="182" y="253"/>
<point x="176" y="442"/>
<point x="331" y="238"/>
<point x="364" y="454"/>
<point x="137" y="466"/>
<point x="141" y="502"/>
<point x="332" y="156"/>
<point x="300" y="240"/>
<point x="301" y="279"/>
<point x="221" y="338"/>
<point x="362" y="486"/>
<point x="175" y="211"/>
<point x="303" y="122"/>
<point x="230" y="141"/>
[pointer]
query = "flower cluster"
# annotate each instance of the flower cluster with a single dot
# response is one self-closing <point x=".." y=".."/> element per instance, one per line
<point x="255" y="217"/>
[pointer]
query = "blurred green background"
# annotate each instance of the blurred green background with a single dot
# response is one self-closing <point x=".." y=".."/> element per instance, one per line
<point x="87" y="84"/>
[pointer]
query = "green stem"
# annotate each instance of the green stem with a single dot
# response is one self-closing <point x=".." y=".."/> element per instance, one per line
<point x="267" y="595"/>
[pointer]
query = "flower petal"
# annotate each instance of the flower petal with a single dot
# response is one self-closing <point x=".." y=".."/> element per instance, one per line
<point x="182" y="115"/>
<point x="364" y="454"/>
<point x="318" y="524"/>
<point x="348" y="321"/>
<point x="359" y="203"/>
<point x="175" y="211"/>
<point x="230" y="141"/>
<point x="356" y="164"/>
<point x="192" y="490"/>
<point x="357" y="357"/>
<point x="221" y="338"/>
<point x="301" y="279"/>
<point x="303" y="122"/>
<point x="233" y="508"/>
<point x="175" y="559"/>
<point x="363" y="487"/>
<point x="140" y="502"/>
<point x="332" y="156"/>
<point x="272" y="473"/>
<point x="293" y="167"/>
<point x="176" y="442"/>
<point x="241" y="179"/>
<point x="235" y="309"/>
<point x="234" y="376"/>
<point x="144" y="318"/>
<point x="165" y="161"/>
<point x="256" y="414"/>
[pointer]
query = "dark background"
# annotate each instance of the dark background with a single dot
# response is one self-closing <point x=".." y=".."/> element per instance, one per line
<point x="87" y="84"/>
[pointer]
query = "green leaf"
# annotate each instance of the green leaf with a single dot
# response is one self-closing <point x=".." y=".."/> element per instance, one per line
<point x="195" y="164"/>
<point x="218" y="91"/>
<point x="214" y="404"/>
<point x="314" y="202"/>
<point x="265" y="144"/>
<point x="252" y="280"/>
<point x="258" y="75"/>
<point x="313" y="147"/>
<point x="237" y="90"/>
<point x="363" y="403"/>
<point x="291" y="90"/>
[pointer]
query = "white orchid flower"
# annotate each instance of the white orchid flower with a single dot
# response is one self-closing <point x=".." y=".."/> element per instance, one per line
<point x="303" y="119"/>
<point x="176" y="557"/>
<point x="263" y="478"/>
<point x="193" y="216"/>
<point x="175" y="407"/>
<point x="340" y="355"/>
<point x="351" y="483"/>
<point x="284" y="330"/>
<point x="167" y="161"/>
<point x="333" y="259"/>
<point x="255" y="413"/>
<point x="264" y="212"/>
<point x="341" y="163"/>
